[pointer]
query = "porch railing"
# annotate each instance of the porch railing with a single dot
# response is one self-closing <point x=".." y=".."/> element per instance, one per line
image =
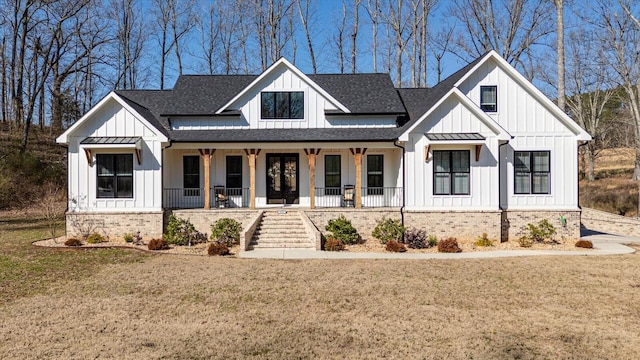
<point x="371" y="197"/>
<point x="193" y="198"/>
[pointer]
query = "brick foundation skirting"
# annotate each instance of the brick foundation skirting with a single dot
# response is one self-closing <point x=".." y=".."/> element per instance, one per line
<point x="203" y="219"/>
<point x="462" y="225"/>
<point x="514" y="223"/>
<point x="364" y="220"/>
<point x="114" y="224"/>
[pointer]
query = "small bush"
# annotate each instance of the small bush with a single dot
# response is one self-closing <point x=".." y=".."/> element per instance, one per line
<point x="538" y="233"/>
<point x="333" y="244"/>
<point x="342" y="229"/>
<point x="158" y="244"/>
<point x="395" y="246"/>
<point x="128" y="238"/>
<point x="483" y="240"/>
<point x="584" y="244"/>
<point x="73" y="242"/>
<point x="226" y="231"/>
<point x="218" y="248"/>
<point x="432" y="241"/>
<point x="387" y="230"/>
<point x="182" y="232"/>
<point x="416" y="238"/>
<point x="95" y="238"/>
<point x="449" y="245"/>
<point x="525" y="242"/>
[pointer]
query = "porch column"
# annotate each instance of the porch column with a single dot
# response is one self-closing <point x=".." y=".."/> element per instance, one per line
<point x="206" y="158"/>
<point x="311" y="154"/>
<point x="357" y="156"/>
<point x="252" y="154"/>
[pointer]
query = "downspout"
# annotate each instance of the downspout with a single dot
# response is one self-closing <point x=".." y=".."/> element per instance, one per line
<point x="578" y="162"/>
<point x="404" y="186"/>
<point x="500" y="176"/>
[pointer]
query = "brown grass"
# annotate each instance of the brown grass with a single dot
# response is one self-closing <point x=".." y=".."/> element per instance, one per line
<point x="211" y="307"/>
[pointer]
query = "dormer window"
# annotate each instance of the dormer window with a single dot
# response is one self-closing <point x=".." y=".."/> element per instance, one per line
<point x="489" y="98"/>
<point x="283" y="105"/>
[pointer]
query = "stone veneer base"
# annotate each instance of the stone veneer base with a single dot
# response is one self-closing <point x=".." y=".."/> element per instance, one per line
<point x="115" y="224"/>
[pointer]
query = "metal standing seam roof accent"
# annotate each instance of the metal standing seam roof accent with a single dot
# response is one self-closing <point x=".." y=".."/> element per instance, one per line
<point x="111" y="140"/>
<point x="454" y="136"/>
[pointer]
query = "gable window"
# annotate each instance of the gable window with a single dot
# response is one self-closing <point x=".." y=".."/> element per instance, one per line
<point x="375" y="165"/>
<point x="451" y="172"/>
<point x="234" y="172"/>
<point x="489" y="98"/>
<point x="191" y="175"/>
<point x="532" y="172"/>
<point x="282" y="105"/>
<point x="332" y="175"/>
<point x="115" y="175"/>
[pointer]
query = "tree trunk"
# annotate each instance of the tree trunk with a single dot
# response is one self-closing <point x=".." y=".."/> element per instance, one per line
<point x="56" y="100"/>
<point x="590" y="161"/>
<point x="561" y="85"/>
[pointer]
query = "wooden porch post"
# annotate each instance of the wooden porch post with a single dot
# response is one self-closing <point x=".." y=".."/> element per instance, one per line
<point x="311" y="153"/>
<point x="357" y="156"/>
<point x="252" y="154"/>
<point x="206" y="158"/>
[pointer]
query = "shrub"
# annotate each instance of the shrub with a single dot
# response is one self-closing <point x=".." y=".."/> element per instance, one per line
<point x="483" y="240"/>
<point x="395" y="246"/>
<point x="182" y="232"/>
<point x="158" y="244"/>
<point x="416" y="238"/>
<point x="95" y="238"/>
<point x="73" y="242"/>
<point x="525" y="242"/>
<point x="432" y="241"/>
<point x="226" y="231"/>
<point x="544" y="230"/>
<point x="584" y="244"/>
<point x="387" y="230"/>
<point x="342" y="229"/>
<point x="128" y="238"/>
<point x="333" y="244"/>
<point x="218" y="248"/>
<point x="449" y="245"/>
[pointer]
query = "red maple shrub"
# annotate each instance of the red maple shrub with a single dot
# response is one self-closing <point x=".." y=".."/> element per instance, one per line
<point x="395" y="246"/>
<point x="218" y="248"/>
<point x="158" y="244"/>
<point x="449" y="245"/>
<point x="333" y="244"/>
<point x="584" y="244"/>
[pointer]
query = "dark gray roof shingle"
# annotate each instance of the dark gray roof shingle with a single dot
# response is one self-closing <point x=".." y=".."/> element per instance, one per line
<point x="360" y="93"/>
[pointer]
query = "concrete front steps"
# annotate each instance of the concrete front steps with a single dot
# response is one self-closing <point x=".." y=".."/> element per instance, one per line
<point x="281" y="229"/>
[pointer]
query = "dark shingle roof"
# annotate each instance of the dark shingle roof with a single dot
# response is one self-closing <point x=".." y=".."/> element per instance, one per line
<point x="149" y="104"/>
<point x="360" y="93"/>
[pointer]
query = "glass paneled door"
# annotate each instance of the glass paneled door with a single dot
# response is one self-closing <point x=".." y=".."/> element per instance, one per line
<point x="282" y="179"/>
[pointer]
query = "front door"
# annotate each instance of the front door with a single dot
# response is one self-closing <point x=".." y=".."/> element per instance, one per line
<point x="282" y="179"/>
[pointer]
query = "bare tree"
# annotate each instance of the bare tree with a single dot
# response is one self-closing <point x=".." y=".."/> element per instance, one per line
<point x="589" y="83"/>
<point x="339" y="37"/>
<point x="373" y="9"/>
<point x="561" y="61"/>
<point x="270" y="18"/>
<point x="130" y="42"/>
<point x="304" y="7"/>
<point x="440" y="46"/>
<point x="354" y="34"/>
<point x="182" y="20"/>
<point x="162" y="17"/>
<point x="510" y="27"/>
<point x="621" y="33"/>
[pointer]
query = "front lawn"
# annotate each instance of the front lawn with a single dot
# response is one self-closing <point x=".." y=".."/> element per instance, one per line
<point x="125" y="304"/>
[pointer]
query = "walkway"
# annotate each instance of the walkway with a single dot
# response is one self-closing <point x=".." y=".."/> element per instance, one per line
<point x="604" y="244"/>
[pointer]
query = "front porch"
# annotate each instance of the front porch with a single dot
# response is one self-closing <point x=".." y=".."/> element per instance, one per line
<point x="280" y="174"/>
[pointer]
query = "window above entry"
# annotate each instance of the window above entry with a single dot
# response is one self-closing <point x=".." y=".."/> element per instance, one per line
<point x="489" y="98"/>
<point x="282" y="105"/>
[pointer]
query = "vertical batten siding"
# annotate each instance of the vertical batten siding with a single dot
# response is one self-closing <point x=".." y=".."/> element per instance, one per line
<point x="114" y="120"/>
<point x="452" y="117"/>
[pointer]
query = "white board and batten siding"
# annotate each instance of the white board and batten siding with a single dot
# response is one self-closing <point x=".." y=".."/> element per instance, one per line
<point x="114" y="120"/>
<point x="281" y="79"/>
<point x="452" y="117"/>
<point x="534" y="128"/>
